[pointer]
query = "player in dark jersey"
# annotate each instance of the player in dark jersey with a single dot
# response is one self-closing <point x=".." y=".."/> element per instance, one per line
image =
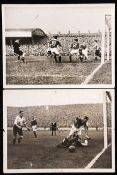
<point x="74" y="49"/>
<point x="17" y="51"/>
<point x="53" y="128"/>
<point x="75" y="133"/>
<point x="34" y="126"/>
<point x="53" y="48"/>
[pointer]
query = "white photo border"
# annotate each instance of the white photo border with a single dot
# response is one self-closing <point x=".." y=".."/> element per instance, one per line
<point x="6" y="104"/>
<point x="112" y="85"/>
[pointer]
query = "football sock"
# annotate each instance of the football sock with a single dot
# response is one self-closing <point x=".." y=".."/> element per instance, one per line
<point x="14" y="141"/>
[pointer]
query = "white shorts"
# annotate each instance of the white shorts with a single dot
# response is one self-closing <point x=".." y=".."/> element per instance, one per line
<point x="74" y="51"/>
<point x="85" y="52"/>
<point x="34" y="127"/>
<point x="73" y="130"/>
<point x="53" y="50"/>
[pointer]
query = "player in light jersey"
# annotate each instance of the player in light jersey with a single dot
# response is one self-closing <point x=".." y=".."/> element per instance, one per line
<point x="97" y="49"/>
<point x="53" y="48"/>
<point x="34" y="126"/>
<point x="74" y="49"/>
<point x="84" y="50"/>
<point x="17" y="127"/>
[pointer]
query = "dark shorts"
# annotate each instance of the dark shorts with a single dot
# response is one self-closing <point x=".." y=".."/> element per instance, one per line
<point x="53" y="128"/>
<point x="98" y="53"/>
<point x="17" y="130"/>
<point x="19" y="52"/>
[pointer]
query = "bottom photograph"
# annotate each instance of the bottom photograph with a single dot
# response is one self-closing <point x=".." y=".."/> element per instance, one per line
<point x="62" y="130"/>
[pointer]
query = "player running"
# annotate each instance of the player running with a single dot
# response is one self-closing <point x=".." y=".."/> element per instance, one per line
<point x="34" y="126"/>
<point x="53" y="48"/>
<point x="17" y="127"/>
<point x="18" y="51"/>
<point x="74" y="49"/>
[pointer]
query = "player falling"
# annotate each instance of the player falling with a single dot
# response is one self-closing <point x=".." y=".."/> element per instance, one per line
<point x="17" y="127"/>
<point x="53" y="48"/>
<point x="18" y="51"/>
<point x="74" y="136"/>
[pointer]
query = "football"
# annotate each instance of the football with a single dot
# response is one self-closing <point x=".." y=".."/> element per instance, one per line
<point x="72" y="148"/>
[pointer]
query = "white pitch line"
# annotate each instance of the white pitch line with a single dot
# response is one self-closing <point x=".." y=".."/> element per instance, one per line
<point x="93" y="161"/>
<point x="60" y="76"/>
<point x="89" y="77"/>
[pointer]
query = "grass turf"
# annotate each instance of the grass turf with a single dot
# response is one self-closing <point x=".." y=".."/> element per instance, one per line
<point x="103" y="76"/>
<point x="41" y="152"/>
<point x="42" y="70"/>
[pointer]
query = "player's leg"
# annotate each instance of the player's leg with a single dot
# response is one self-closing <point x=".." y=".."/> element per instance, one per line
<point x="55" y="131"/>
<point x="70" y="56"/>
<point x="20" y="133"/>
<point x="22" y="56"/>
<point x="14" y="134"/>
<point x="72" y="131"/>
<point x="86" y="133"/>
<point x="85" y="143"/>
<point x="96" y="54"/>
<point x="34" y="131"/>
<point x="85" y="53"/>
<point x="52" y="131"/>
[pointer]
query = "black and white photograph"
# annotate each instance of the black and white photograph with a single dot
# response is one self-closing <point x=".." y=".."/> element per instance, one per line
<point x="58" y="45"/>
<point x="59" y="130"/>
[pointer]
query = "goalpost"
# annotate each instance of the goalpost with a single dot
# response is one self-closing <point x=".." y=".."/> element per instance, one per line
<point x="107" y="100"/>
<point x="106" y="43"/>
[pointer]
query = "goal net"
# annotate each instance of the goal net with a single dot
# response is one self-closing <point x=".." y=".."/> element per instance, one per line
<point x="107" y="117"/>
<point x="107" y="39"/>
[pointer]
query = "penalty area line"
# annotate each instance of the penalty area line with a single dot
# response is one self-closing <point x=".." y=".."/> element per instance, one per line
<point x="89" y="77"/>
<point x="93" y="161"/>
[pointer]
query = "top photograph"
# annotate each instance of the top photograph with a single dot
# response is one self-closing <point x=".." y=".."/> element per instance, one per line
<point x="58" y="45"/>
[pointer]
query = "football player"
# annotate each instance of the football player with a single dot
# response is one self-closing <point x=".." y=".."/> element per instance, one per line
<point x="53" y="128"/>
<point x="73" y="140"/>
<point x="97" y="49"/>
<point x="78" y="126"/>
<point x="74" y="49"/>
<point x="84" y="50"/>
<point x="18" y="51"/>
<point x="17" y="127"/>
<point x="34" y="126"/>
<point x="53" y="48"/>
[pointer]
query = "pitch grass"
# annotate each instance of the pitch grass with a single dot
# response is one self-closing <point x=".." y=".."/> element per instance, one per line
<point x="43" y="70"/>
<point x="41" y="152"/>
<point x="103" y="76"/>
<point x="106" y="156"/>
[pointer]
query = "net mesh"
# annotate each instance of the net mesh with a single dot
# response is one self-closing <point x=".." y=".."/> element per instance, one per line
<point x="109" y="116"/>
<point x="108" y="27"/>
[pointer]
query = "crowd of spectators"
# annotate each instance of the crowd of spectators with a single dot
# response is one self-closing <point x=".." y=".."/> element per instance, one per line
<point x="41" y="49"/>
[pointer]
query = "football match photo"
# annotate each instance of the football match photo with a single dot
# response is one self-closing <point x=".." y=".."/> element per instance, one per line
<point x="57" y="44"/>
<point x="58" y="130"/>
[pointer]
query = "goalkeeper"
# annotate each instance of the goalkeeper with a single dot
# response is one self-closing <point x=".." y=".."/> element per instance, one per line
<point x="17" y="127"/>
